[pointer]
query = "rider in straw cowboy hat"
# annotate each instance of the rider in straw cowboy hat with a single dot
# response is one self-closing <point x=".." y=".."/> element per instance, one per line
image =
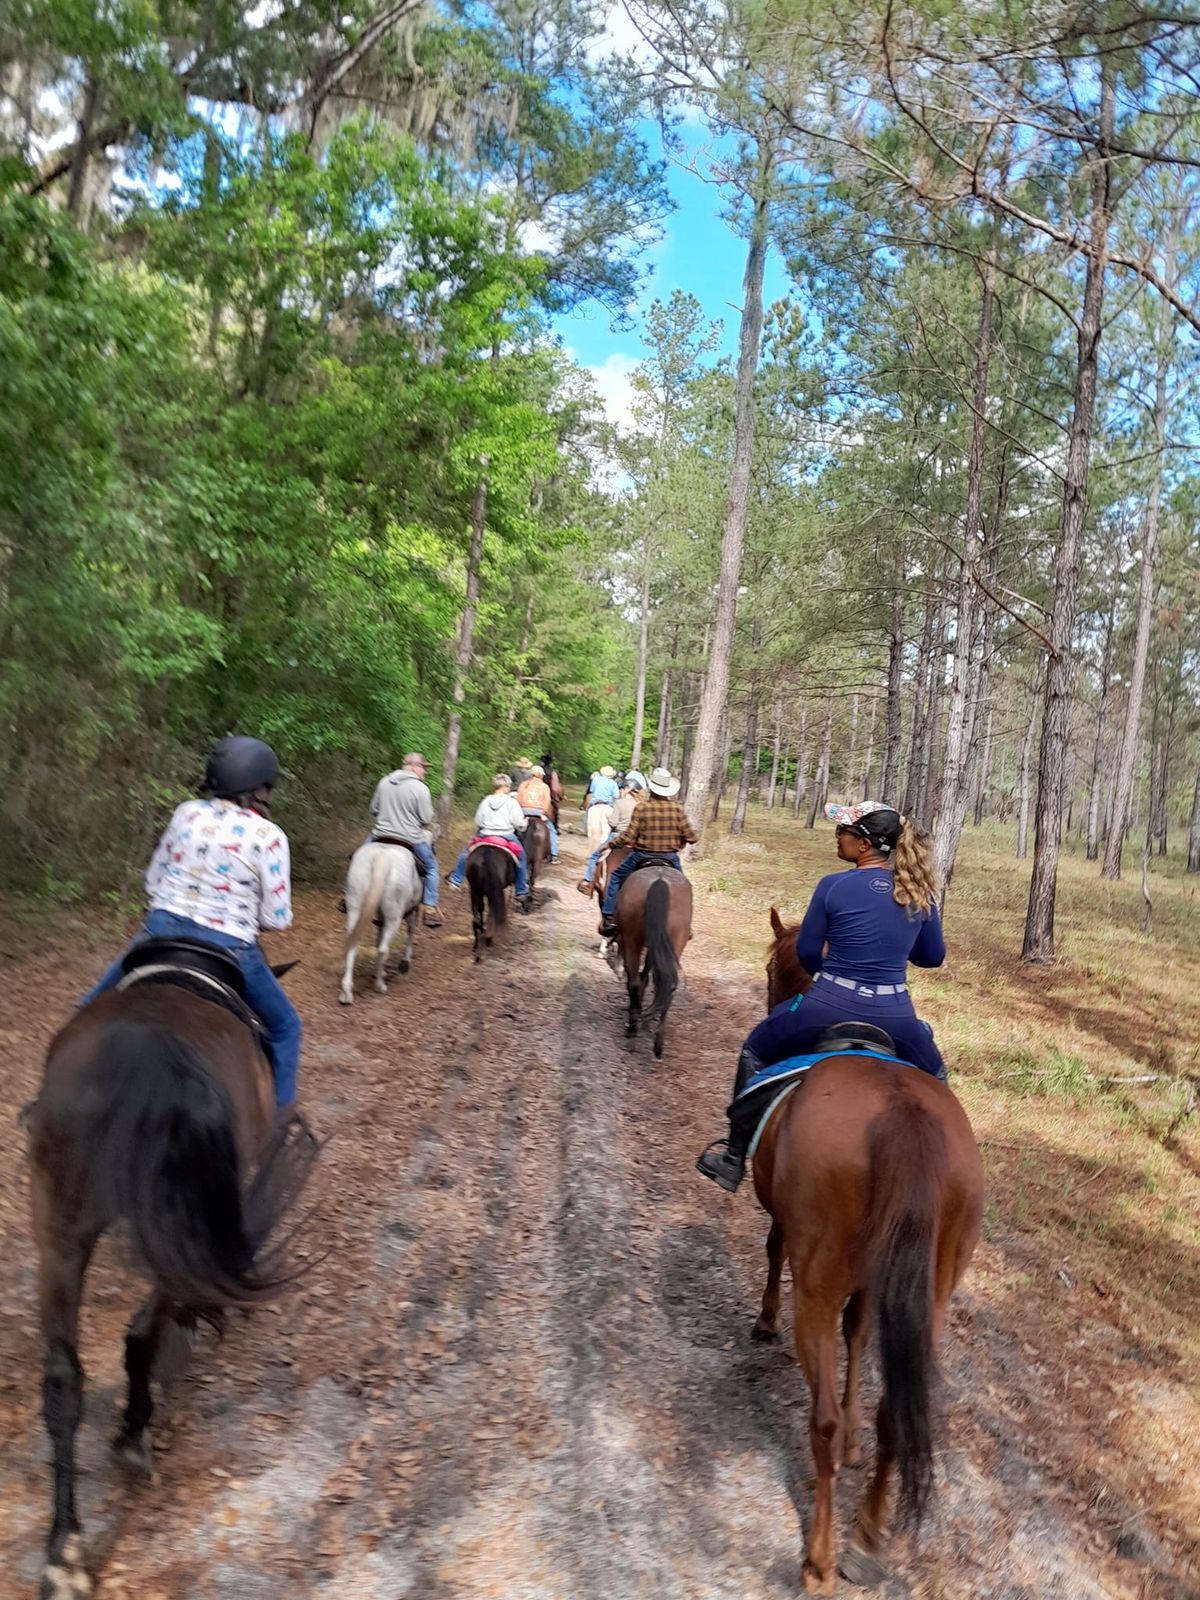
<point x="659" y="828"/>
<point x="860" y="931"/>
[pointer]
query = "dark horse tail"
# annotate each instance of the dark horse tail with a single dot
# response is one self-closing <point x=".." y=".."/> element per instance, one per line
<point x="907" y="1163"/>
<point x="495" y="882"/>
<point x="173" y="1162"/>
<point x="661" y="959"/>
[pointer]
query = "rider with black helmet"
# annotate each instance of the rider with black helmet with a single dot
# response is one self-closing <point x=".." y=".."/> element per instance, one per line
<point x="221" y="874"/>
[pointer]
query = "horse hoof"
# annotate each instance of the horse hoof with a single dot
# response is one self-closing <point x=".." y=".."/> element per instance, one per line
<point x="859" y="1567"/>
<point x="763" y="1333"/>
<point x="345" y="999"/>
<point x="658" y="1049"/>
<point x="134" y="1455"/>
<point x="404" y="965"/>
<point x="380" y="988"/>
<point x="66" y="1578"/>
<point x="812" y="1582"/>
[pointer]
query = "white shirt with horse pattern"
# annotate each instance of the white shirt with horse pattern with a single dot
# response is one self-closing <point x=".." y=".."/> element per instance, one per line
<point x="224" y="867"/>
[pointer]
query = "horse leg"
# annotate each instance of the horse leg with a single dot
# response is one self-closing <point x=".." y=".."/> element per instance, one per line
<point x="410" y="922"/>
<point x="767" y="1325"/>
<point x="816" y="1348"/>
<point x="62" y="1262"/>
<point x="386" y="934"/>
<point x="860" y="1565"/>
<point x="635" y="984"/>
<point x="854" y="1330"/>
<point x="346" y="993"/>
<point x="132" y="1444"/>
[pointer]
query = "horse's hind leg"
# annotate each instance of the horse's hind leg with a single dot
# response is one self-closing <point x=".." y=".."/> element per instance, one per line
<point x="767" y="1325"/>
<point x="660" y="1033"/>
<point x="62" y="1262"/>
<point x="854" y="1329"/>
<point x="386" y="934"/>
<point x="410" y="922"/>
<point x="635" y="984"/>
<point x="816" y="1347"/>
<point x="132" y="1445"/>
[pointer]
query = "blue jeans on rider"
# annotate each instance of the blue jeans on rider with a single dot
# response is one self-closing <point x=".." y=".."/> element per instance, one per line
<point x="593" y="861"/>
<point x="265" y="994"/>
<point x="634" y="859"/>
<point x="790" y="1028"/>
<point x="460" y="870"/>
<point x="424" y="854"/>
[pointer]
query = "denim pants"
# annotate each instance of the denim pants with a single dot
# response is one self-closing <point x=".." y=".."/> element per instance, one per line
<point x="593" y="861"/>
<point x="460" y="870"/>
<point x="264" y="992"/>
<point x="790" y="1028"/>
<point x="634" y="859"/>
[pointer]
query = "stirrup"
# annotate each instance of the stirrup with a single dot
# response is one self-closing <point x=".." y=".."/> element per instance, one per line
<point x="717" y="1162"/>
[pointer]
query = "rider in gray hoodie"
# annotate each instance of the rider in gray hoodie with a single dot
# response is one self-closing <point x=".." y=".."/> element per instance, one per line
<point x="402" y="808"/>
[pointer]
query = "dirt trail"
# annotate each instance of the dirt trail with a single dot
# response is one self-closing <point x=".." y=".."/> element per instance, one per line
<point x="520" y="1365"/>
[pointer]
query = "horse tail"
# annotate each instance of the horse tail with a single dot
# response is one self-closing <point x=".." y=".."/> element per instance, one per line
<point x="173" y="1159"/>
<point x="369" y="910"/>
<point x="660" y="952"/>
<point x="907" y="1162"/>
<point x="494" y="885"/>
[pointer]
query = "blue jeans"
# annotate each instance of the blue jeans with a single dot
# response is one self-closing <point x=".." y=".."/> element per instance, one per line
<point x="460" y="870"/>
<point x="593" y="861"/>
<point x="790" y="1028"/>
<point x="433" y="877"/>
<point x="634" y="859"/>
<point x="264" y="992"/>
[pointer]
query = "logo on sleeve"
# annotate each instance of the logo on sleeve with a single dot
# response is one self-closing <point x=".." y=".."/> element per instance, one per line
<point x="881" y="885"/>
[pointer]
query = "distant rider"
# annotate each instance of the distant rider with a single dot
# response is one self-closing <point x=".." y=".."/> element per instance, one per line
<point x="861" y="929"/>
<point x="658" y="829"/>
<point x="499" y="817"/>
<point x="535" y="800"/>
<point x="632" y="791"/>
<point x="403" y="809"/>
<point x="221" y="874"/>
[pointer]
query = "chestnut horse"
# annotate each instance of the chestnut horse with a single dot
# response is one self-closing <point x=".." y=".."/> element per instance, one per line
<point x="156" y="1107"/>
<point x="654" y="919"/>
<point x="872" y="1179"/>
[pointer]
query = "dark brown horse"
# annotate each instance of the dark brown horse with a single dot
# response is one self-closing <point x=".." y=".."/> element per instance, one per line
<point x="654" y="920"/>
<point x="873" y="1182"/>
<point x="537" y="848"/>
<point x="490" y="870"/>
<point x="156" y="1108"/>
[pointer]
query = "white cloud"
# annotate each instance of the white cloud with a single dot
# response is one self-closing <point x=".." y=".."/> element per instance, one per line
<point x="613" y="379"/>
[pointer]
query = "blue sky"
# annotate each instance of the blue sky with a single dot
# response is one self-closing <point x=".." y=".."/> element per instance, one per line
<point x="699" y="253"/>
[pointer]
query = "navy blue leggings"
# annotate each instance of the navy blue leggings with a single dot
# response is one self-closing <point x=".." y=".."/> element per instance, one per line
<point x="791" y="1028"/>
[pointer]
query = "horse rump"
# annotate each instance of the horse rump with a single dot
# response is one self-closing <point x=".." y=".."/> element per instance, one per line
<point x="907" y="1163"/>
<point x="171" y="1158"/>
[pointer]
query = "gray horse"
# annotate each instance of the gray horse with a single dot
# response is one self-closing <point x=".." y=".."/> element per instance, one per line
<point x="383" y="882"/>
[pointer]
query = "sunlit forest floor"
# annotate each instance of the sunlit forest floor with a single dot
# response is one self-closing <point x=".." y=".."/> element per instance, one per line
<point x="520" y="1367"/>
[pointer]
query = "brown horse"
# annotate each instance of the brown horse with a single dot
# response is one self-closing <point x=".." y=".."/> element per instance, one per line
<point x="155" y="1108"/>
<point x="872" y="1179"/>
<point x="786" y="978"/>
<point x="654" y="919"/>
<point x="537" y="848"/>
<point x="490" y="870"/>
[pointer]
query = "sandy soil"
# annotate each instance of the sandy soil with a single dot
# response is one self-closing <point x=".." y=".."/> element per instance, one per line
<point x="521" y="1365"/>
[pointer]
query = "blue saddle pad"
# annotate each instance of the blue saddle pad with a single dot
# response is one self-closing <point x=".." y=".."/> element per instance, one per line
<point x="793" y="1066"/>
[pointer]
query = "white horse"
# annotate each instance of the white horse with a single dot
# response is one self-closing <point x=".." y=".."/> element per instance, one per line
<point x="383" y="881"/>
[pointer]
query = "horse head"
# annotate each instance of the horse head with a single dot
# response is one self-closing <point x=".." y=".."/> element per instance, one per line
<point x="786" y="978"/>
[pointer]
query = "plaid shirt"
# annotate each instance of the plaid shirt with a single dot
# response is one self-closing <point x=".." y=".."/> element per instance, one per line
<point x="658" y="824"/>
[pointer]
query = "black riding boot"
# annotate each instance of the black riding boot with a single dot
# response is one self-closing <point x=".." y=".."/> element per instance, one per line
<point x="725" y="1159"/>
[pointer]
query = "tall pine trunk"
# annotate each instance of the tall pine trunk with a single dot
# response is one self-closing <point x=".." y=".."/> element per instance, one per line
<point x="864" y="788"/>
<point x="737" y="823"/>
<point x="1095" y="783"/>
<point x="1038" y="944"/>
<point x="1023" y="792"/>
<point x="462" y="653"/>
<point x="778" y="739"/>
<point x="821" y="782"/>
<point x="983" y="778"/>
<point x="639" y="721"/>
<point x="895" y="680"/>
<point x="801" y="764"/>
<point x="960" y="725"/>
<point x="1193" y="848"/>
<point x="713" y="704"/>
<point x="1127" y="755"/>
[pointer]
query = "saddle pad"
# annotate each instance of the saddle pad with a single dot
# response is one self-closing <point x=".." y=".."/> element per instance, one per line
<point x="788" y="1074"/>
<point x="511" y="845"/>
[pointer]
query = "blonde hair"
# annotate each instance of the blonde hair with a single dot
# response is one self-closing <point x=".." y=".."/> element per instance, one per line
<point x="913" y="872"/>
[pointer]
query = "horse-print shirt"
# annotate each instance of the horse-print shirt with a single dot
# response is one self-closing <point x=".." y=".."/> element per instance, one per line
<point x="223" y="867"/>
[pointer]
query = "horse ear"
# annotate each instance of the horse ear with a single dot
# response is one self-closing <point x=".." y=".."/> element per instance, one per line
<point x="282" y="970"/>
<point x="776" y="923"/>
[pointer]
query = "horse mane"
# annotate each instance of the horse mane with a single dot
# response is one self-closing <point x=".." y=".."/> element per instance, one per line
<point x="786" y="977"/>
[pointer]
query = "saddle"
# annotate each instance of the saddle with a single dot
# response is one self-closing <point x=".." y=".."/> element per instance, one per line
<point x="653" y="858"/>
<point x="767" y="1087"/>
<point x="405" y="844"/>
<point x="190" y="964"/>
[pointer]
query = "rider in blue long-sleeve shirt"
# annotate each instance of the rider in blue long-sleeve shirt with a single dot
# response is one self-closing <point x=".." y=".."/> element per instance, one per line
<point x="860" y="931"/>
